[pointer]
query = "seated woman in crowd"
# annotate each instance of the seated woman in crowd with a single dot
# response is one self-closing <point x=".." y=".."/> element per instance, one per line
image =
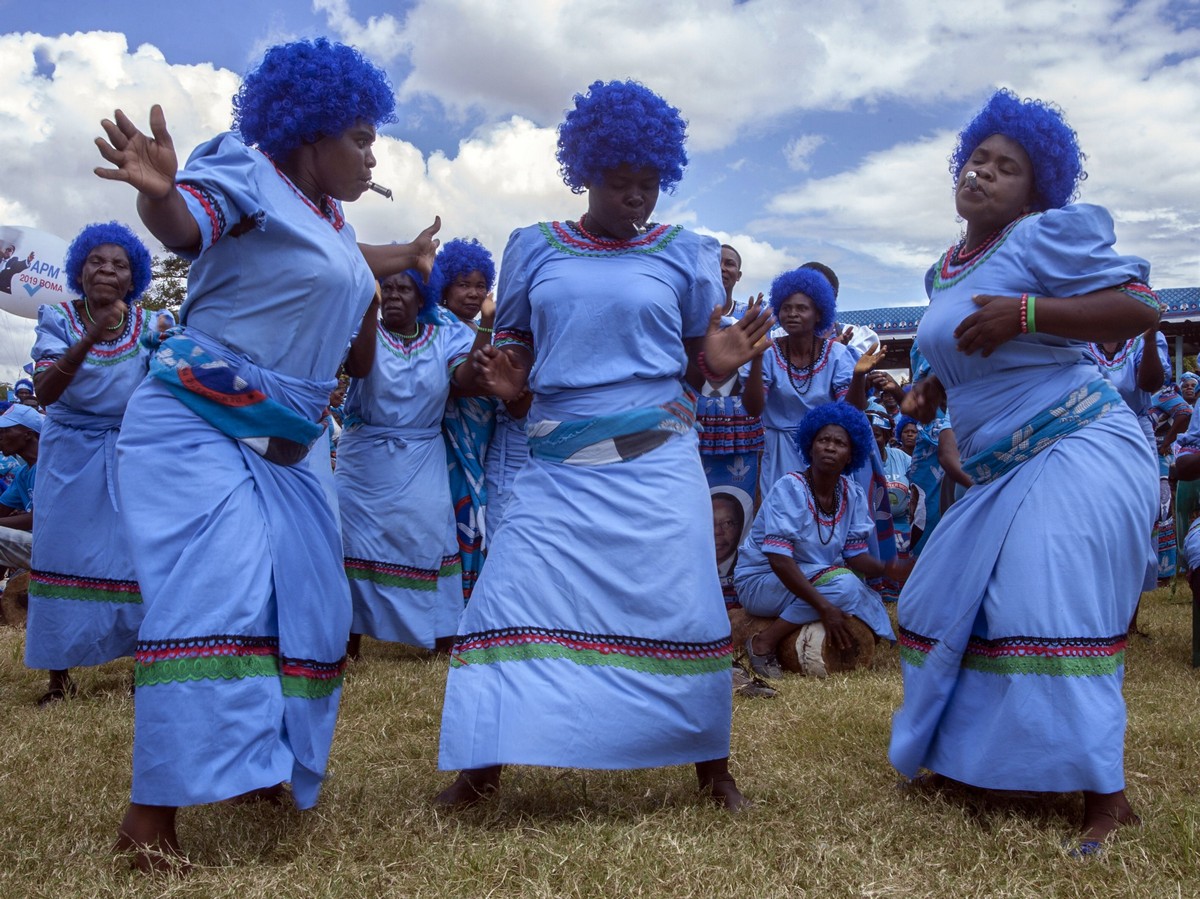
<point x="808" y="543"/>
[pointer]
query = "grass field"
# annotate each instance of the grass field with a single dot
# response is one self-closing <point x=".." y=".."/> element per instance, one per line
<point x="830" y="819"/>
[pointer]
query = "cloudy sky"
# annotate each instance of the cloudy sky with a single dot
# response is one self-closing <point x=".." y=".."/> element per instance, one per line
<point x="814" y="133"/>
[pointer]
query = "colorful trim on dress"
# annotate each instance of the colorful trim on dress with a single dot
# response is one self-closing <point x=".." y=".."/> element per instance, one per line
<point x="215" y="657"/>
<point x="839" y="513"/>
<point x="1123" y="356"/>
<point x="51" y="585"/>
<point x="825" y="575"/>
<point x="208" y="202"/>
<point x="328" y="210"/>
<point x="954" y="266"/>
<point x="397" y="347"/>
<point x="513" y="337"/>
<point x="1058" y="656"/>
<point x="569" y="237"/>
<point x="796" y="375"/>
<point x="524" y="644"/>
<point x="125" y="346"/>
<point x="1143" y="294"/>
<point x="405" y="577"/>
<point x="1072" y="412"/>
<point x="778" y="543"/>
<point x="915" y="648"/>
<point x="310" y="679"/>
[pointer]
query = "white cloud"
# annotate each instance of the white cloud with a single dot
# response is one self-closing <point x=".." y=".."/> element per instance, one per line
<point x="799" y="150"/>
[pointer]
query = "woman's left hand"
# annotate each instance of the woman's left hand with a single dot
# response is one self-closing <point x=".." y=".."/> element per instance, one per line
<point x="727" y="349"/>
<point x="997" y="321"/>
<point x="870" y="359"/>
<point x="106" y="320"/>
<point x="898" y="569"/>
<point x="487" y="310"/>
<point x="425" y="247"/>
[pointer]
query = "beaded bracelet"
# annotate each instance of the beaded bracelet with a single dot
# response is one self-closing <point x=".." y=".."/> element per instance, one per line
<point x="708" y="373"/>
<point x="1024" y="313"/>
<point x="1030" y="321"/>
<point x="485" y="330"/>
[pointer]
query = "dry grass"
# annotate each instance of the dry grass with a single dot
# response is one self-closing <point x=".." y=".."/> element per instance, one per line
<point x="830" y="820"/>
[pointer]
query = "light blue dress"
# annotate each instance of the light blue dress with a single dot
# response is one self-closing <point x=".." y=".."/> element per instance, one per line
<point x="1012" y="626"/>
<point x="241" y="653"/>
<point x="506" y="456"/>
<point x="789" y="523"/>
<point x="85" y="606"/>
<point x="790" y="393"/>
<point x="397" y="518"/>
<point x="597" y="635"/>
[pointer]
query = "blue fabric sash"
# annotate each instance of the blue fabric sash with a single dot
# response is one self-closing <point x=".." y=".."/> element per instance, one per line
<point x="612" y="438"/>
<point x="1069" y="414"/>
<point x="213" y="388"/>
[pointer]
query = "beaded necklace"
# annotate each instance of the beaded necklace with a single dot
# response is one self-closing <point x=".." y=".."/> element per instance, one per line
<point x="957" y="264"/>
<point x="831" y="514"/>
<point x="117" y="327"/>
<point x="804" y="371"/>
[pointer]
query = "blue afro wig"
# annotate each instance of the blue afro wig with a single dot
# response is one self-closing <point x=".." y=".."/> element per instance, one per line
<point x="862" y="438"/>
<point x="105" y="233"/>
<point x="1043" y="133"/>
<point x="307" y="90"/>
<point x="812" y="284"/>
<point x="462" y="256"/>
<point x="621" y="122"/>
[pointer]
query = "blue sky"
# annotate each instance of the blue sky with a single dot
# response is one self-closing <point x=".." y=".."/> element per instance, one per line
<point x="815" y="133"/>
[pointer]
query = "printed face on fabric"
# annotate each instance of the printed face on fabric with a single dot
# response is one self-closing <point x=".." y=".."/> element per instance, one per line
<point x="342" y="164"/>
<point x="727" y="526"/>
<point x="106" y="275"/>
<point x="797" y="314"/>
<point x="400" y="302"/>
<point x="622" y="201"/>
<point x="1004" y="186"/>
<point x="465" y="294"/>
<point x="831" y="449"/>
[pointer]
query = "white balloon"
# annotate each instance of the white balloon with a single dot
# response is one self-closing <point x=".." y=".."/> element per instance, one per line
<point x="31" y="270"/>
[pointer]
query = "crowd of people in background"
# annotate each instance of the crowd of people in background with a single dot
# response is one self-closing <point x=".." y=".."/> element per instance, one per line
<point x="522" y="470"/>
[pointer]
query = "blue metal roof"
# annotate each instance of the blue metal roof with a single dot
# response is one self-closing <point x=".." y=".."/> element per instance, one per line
<point x="1183" y="303"/>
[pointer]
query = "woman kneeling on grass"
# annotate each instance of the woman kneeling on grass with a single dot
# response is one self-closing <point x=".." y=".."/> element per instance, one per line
<point x="809" y="540"/>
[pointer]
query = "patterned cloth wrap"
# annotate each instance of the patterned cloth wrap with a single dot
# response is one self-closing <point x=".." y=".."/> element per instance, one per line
<point x="211" y="387"/>
<point x="1070" y="414"/>
<point x="612" y="438"/>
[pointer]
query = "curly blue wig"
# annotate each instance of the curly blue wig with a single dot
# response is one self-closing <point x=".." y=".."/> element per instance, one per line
<point x="102" y="233"/>
<point x="621" y="122"/>
<point x="862" y="438"/>
<point x="1043" y="133"/>
<point x="813" y="285"/>
<point x="307" y="90"/>
<point x="462" y="256"/>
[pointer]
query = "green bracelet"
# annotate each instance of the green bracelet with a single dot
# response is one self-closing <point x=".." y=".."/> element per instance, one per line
<point x="1029" y="319"/>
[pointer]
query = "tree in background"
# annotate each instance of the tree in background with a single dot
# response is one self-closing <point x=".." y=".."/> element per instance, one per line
<point x="168" y="283"/>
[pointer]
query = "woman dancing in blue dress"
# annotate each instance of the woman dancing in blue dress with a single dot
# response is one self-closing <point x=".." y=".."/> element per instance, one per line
<point x="1013" y="624"/>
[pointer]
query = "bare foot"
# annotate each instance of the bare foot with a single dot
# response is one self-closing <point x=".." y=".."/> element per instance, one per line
<point x="725" y="793"/>
<point x="148" y="831"/>
<point x="718" y="783"/>
<point x="470" y="787"/>
<point x="1105" y="812"/>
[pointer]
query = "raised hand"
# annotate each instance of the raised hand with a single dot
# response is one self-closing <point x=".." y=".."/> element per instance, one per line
<point x="148" y="164"/>
<point x="923" y="401"/>
<point x="725" y="349"/>
<point x="487" y="310"/>
<point x="870" y="359"/>
<point x="425" y="246"/>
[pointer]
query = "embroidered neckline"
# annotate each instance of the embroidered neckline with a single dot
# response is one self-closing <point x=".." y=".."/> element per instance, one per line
<point x="328" y="210"/>
<point x="569" y="237"/>
<point x="1119" y="360"/>
<point x="955" y="265"/>
<point x="399" y="347"/>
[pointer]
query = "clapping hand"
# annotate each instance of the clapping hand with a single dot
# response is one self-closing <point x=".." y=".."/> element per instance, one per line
<point x="726" y="349"/>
